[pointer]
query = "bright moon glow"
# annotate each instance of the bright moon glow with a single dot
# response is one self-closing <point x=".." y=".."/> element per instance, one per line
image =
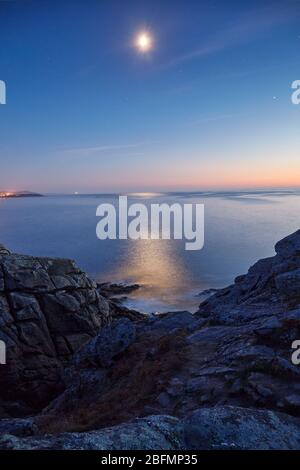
<point x="144" y="42"/>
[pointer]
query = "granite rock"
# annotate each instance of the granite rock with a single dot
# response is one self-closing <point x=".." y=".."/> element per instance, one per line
<point x="49" y="308"/>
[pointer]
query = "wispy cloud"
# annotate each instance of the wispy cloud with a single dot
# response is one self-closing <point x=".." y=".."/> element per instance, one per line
<point x="90" y="151"/>
<point x="245" y="28"/>
<point x="208" y="119"/>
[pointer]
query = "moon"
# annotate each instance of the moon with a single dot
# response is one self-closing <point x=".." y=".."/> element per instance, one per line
<point x="144" y="42"/>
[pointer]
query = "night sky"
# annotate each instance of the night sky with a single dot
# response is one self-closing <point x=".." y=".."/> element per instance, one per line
<point x="208" y="107"/>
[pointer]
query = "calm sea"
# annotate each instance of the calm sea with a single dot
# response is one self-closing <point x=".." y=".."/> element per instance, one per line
<point x="240" y="228"/>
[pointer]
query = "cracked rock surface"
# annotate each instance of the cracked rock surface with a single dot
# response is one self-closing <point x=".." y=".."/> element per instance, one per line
<point x="49" y="308"/>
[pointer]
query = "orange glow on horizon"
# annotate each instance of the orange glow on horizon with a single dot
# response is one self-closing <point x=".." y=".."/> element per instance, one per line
<point x="211" y="179"/>
<point x="170" y="174"/>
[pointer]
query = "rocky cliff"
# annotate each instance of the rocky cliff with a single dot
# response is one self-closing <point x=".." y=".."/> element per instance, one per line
<point x="223" y="377"/>
<point x="271" y="288"/>
<point x="48" y="309"/>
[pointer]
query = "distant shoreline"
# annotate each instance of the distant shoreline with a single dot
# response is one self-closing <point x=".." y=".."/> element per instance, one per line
<point x="5" y="195"/>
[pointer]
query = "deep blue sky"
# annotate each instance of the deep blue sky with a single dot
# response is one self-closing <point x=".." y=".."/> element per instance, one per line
<point x="209" y="107"/>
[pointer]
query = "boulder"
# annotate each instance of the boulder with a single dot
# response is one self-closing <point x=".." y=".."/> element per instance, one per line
<point x="152" y="433"/>
<point x="49" y="308"/>
<point x="86" y="377"/>
<point x="19" y="427"/>
<point x="234" y="428"/>
<point x="111" y="341"/>
<point x="289" y="247"/>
